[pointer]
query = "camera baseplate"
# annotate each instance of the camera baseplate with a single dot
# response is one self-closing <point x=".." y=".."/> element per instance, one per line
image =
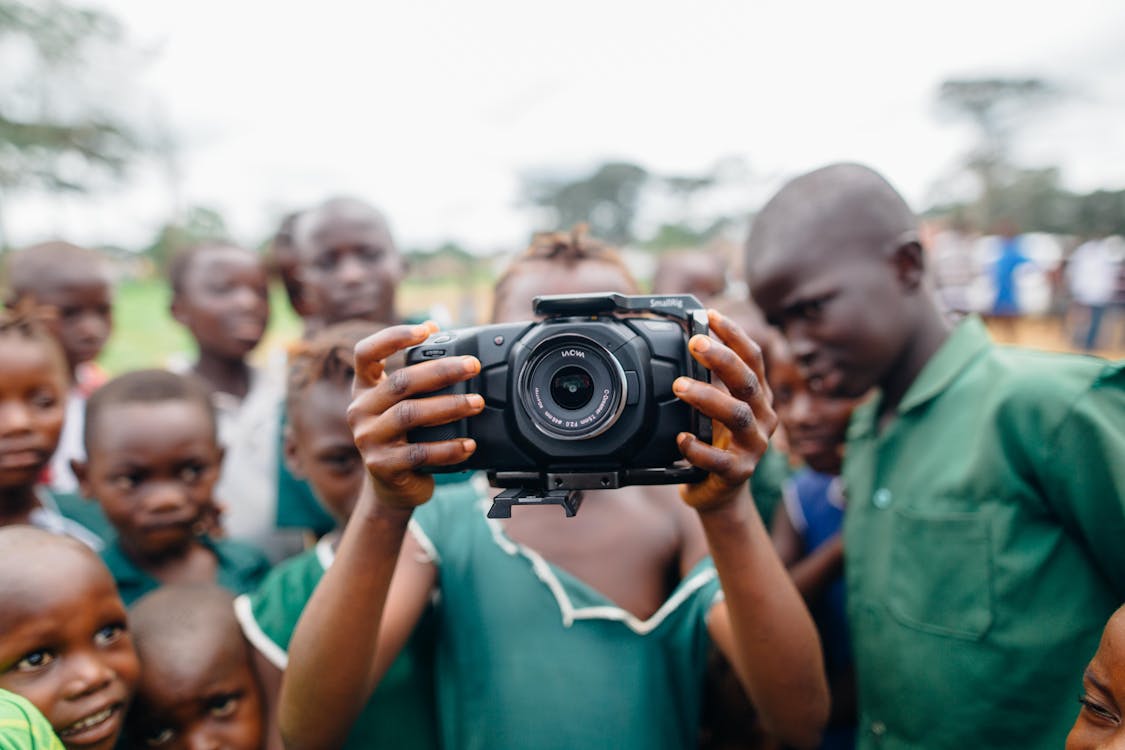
<point x="502" y="503"/>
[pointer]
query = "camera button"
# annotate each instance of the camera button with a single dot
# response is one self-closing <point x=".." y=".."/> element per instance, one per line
<point x="444" y="338"/>
<point x="433" y="353"/>
<point x="632" y="388"/>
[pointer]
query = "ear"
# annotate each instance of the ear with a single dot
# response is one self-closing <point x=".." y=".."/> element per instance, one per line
<point x="81" y="471"/>
<point x="909" y="261"/>
<point x="292" y="458"/>
<point x="178" y="312"/>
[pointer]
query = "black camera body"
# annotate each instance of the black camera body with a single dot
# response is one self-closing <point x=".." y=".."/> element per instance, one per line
<point x="583" y="399"/>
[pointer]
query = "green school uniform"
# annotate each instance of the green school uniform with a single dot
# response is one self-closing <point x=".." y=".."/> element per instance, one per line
<point x="400" y="713"/>
<point x="985" y="544"/>
<point x="88" y="513"/>
<point x="297" y="506"/>
<point x="241" y="568"/>
<point x="22" y="727"/>
<point x="532" y="657"/>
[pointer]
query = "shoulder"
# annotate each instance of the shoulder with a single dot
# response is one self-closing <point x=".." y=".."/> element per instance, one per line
<point x="269" y="614"/>
<point x="1039" y="385"/>
<point x="244" y="562"/>
<point x="22" y="726"/>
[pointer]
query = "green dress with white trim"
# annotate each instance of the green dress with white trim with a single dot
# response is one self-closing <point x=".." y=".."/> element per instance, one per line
<point x="400" y="713"/>
<point x="531" y="657"/>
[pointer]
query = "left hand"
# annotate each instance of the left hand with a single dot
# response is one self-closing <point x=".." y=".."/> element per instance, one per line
<point x="742" y="413"/>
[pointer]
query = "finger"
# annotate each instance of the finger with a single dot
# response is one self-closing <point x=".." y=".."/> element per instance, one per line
<point x="419" y="379"/>
<point x="373" y="350"/>
<point x="737" y="415"/>
<point x="730" y="370"/>
<point x="406" y="458"/>
<point x="733" y="468"/>
<point x="410" y="414"/>
<point x="748" y="350"/>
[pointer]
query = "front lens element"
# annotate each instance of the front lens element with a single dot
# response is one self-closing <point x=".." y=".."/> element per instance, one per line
<point x="572" y="387"/>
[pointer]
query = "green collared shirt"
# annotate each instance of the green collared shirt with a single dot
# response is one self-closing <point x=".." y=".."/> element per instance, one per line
<point x="240" y="568"/>
<point x="985" y="545"/>
<point x="22" y="727"/>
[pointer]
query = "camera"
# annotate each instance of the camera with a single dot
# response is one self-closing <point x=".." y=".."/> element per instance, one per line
<point x="580" y="400"/>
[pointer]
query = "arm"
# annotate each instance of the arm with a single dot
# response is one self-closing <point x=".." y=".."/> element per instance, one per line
<point x="762" y="626"/>
<point x="811" y="573"/>
<point x="335" y="659"/>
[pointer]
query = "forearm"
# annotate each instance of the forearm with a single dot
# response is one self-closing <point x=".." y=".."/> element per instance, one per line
<point x="776" y="650"/>
<point x="331" y="655"/>
<point x="816" y="572"/>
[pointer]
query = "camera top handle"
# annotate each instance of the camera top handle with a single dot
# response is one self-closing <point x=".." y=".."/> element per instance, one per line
<point x="684" y="307"/>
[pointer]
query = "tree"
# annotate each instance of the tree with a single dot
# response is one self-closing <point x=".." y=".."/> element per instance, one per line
<point x="607" y="199"/>
<point x="200" y="224"/>
<point x="996" y="107"/>
<point x="52" y="136"/>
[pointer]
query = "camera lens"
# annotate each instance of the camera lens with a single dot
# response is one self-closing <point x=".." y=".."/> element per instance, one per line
<point x="572" y="387"/>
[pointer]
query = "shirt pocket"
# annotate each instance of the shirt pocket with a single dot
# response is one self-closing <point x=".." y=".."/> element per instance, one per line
<point x="941" y="573"/>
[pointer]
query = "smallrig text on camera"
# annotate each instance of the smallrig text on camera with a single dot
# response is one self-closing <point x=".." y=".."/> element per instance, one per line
<point x="581" y="400"/>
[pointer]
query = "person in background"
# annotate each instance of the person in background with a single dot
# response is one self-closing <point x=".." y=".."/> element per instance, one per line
<point x="1100" y="724"/>
<point x="1091" y="275"/>
<point x="697" y="272"/>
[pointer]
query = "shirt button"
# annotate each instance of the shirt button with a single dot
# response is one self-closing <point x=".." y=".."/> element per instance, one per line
<point x="878" y="728"/>
<point x="882" y="498"/>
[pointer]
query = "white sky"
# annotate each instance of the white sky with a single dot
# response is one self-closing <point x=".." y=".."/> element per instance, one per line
<point x="430" y="109"/>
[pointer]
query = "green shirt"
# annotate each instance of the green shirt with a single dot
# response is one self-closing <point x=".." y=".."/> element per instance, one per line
<point x="985" y="545"/>
<point x="531" y="657"/>
<point x="22" y="727"/>
<point x="240" y="568"/>
<point x="400" y="713"/>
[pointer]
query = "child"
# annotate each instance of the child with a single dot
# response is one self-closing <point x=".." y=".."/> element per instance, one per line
<point x="554" y="632"/>
<point x="1101" y="721"/>
<point x="985" y="484"/>
<point x="320" y="449"/>
<point x="220" y="293"/>
<point x="152" y="461"/>
<point x="197" y="688"/>
<point x="64" y="642"/>
<point x="74" y="282"/>
<point x="806" y="527"/>
<point x="33" y="393"/>
<point x="348" y="268"/>
<point x="697" y="272"/>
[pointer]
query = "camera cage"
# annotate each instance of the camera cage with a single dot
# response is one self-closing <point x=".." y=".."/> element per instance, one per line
<point x="566" y="488"/>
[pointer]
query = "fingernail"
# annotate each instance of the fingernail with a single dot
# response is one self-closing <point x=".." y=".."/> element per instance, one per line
<point x="700" y="343"/>
<point x="468" y="445"/>
<point x="425" y="329"/>
<point x="476" y="401"/>
<point x="681" y="385"/>
<point x="472" y="364"/>
<point x="682" y="439"/>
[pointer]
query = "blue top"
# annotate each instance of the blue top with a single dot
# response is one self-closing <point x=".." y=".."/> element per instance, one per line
<point x="1004" y="277"/>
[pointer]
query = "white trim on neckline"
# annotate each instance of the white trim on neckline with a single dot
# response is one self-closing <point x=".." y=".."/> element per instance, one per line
<point x="274" y="654"/>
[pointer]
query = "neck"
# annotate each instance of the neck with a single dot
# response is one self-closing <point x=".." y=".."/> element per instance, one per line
<point x="223" y="374"/>
<point x="154" y="562"/>
<point x="16" y="504"/>
<point x="928" y="337"/>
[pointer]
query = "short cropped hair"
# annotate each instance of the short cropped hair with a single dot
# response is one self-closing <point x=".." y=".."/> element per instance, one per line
<point x="183" y="259"/>
<point x="328" y="357"/>
<point x="146" y="387"/>
<point x="29" y="323"/>
<point x="565" y="249"/>
<point x="28" y="268"/>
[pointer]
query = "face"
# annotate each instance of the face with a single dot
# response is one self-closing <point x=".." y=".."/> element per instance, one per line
<point x="319" y="447"/>
<point x="84" y="316"/>
<point x="64" y="646"/>
<point x="537" y="278"/>
<point x="841" y="310"/>
<point x="224" y="302"/>
<point x="152" y="467"/>
<point x="815" y="424"/>
<point x="215" y="704"/>
<point x="33" y="390"/>
<point x="1101" y="721"/>
<point x="350" y="268"/>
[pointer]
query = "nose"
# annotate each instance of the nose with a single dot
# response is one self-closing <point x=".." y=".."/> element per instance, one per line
<point x="166" y="497"/>
<point x="93" y="325"/>
<point x="351" y="270"/>
<point x="201" y="739"/>
<point x="800" y="409"/>
<point x="801" y="345"/>
<point x="15" y="418"/>
<point x="86" y="674"/>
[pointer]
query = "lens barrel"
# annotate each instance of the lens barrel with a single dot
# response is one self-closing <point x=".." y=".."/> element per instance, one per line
<point x="573" y="388"/>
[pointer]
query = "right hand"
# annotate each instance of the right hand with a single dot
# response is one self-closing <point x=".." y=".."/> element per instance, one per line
<point x="382" y="411"/>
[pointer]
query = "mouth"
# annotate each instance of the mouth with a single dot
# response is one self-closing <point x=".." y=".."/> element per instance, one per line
<point x="93" y="728"/>
<point x="246" y="330"/>
<point x="22" y="458"/>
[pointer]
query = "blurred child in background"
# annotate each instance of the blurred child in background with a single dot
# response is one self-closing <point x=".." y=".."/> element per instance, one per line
<point x="152" y="463"/>
<point x="1101" y="719"/>
<point x="198" y="688"/>
<point x="74" y="282"/>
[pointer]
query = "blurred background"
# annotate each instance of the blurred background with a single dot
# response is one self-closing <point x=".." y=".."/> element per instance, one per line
<point x="138" y="127"/>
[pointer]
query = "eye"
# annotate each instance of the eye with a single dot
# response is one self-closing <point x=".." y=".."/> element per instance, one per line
<point x="371" y="253"/>
<point x="69" y="313"/>
<point x="35" y="661"/>
<point x="325" y="262"/>
<point x="158" y="737"/>
<point x="43" y="399"/>
<point x="192" y="472"/>
<point x="1099" y="712"/>
<point x="782" y="395"/>
<point x="126" y="482"/>
<point x="810" y="309"/>
<point x="342" y="461"/>
<point x="221" y="706"/>
<point x="109" y="635"/>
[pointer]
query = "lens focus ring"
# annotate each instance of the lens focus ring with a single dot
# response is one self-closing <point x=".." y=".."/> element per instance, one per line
<point x="573" y="388"/>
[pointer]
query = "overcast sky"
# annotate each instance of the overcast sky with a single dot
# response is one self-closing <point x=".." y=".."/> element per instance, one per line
<point x="431" y="109"/>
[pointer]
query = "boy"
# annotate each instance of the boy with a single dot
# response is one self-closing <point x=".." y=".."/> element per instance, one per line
<point x="152" y="464"/>
<point x="220" y="294"/>
<point x="986" y="484"/>
<point x="198" y="688"/>
<point x="806" y="526"/>
<point x="33" y="393"/>
<point x="553" y="632"/>
<point x="319" y="448"/>
<point x="348" y="268"/>
<point x="64" y="642"/>
<point x="1101" y="721"/>
<point x="74" y="282"/>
